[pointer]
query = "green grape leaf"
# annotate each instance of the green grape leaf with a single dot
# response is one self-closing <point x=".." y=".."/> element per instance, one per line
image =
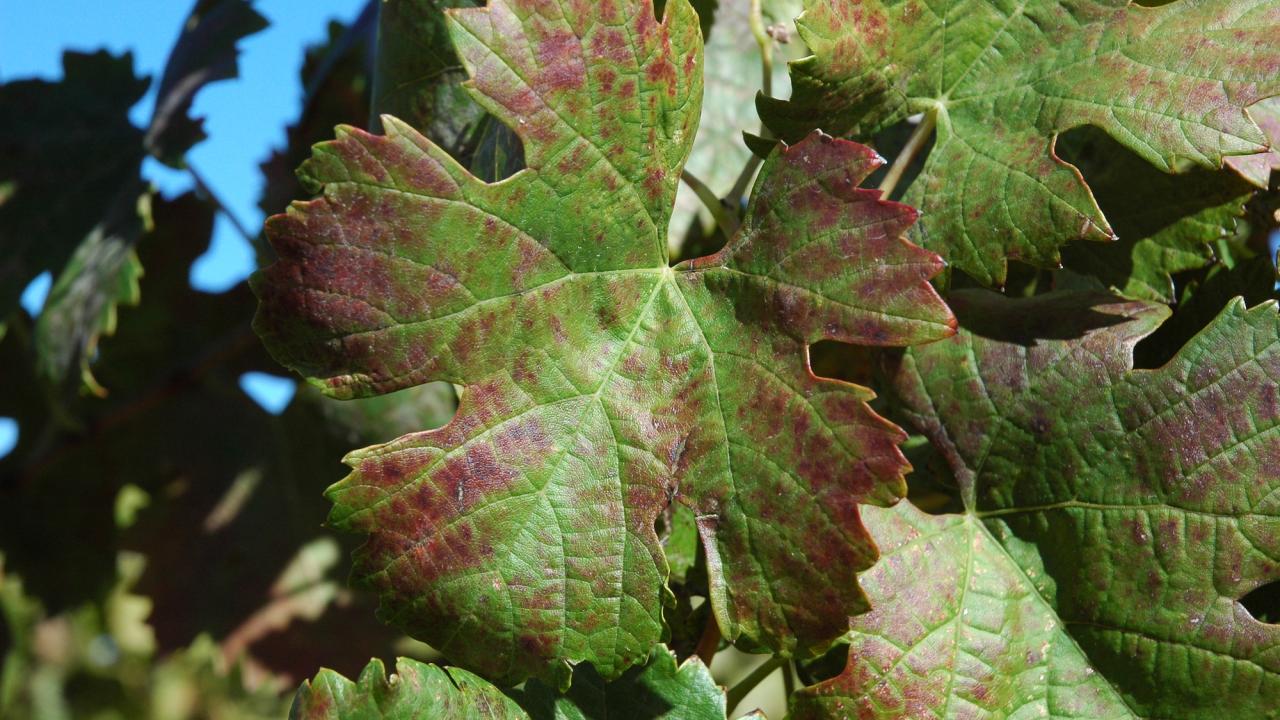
<point x="1171" y="83"/>
<point x="417" y="690"/>
<point x="1166" y="223"/>
<point x="660" y="690"/>
<point x="600" y="383"/>
<point x="418" y="77"/>
<point x="101" y="275"/>
<point x="206" y="52"/>
<point x="1114" y="518"/>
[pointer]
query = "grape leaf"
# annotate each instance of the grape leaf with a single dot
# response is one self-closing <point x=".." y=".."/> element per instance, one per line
<point x="957" y="629"/>
<point x="1165" y="223"/>
<point x="1170" y="83"/>
<point x="417" y="690"/>
<point x="205" y="52"/>
<point x="1114" y="518"/>
<point x="418" y="77"/>
<point x="63" y="158"/>
<point x="600" y="382"/>
<point x="657" y="690"/>
<point x="660" y="689"/>
<point x="1257" y="168"/>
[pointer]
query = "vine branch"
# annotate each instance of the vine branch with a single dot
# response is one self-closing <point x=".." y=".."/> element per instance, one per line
<point x="728" y="222"/>
<point x="739" y="692"/>
<point x="207" y="191"/>
<point x="914" y="145"/>
<point x="709" y="643"/>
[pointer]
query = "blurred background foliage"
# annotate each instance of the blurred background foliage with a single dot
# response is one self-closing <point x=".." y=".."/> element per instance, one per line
<point x="162" y="553"/>
<point x="162" y="549"/>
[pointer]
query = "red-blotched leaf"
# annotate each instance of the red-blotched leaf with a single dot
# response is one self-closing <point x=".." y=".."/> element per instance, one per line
<point x="1004" y="78"/>
<point x="600" y="383"/>
<point x="1114" y="519"/>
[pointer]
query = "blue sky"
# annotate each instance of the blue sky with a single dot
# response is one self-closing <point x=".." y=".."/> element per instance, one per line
<point x="245" y="118"/>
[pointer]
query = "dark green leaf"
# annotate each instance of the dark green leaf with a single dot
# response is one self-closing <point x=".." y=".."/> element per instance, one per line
<point x="63" y="161"/>
<point x="206" y="52"/>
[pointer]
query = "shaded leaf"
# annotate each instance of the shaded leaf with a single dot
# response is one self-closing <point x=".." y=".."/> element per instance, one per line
<point x="1131" y="509"/>
<point x="101" y="274"/>
<point x="337" y="75"/>
<point x="419" y="77"/>
<point x="657" y="690"/>
<point x="63" y="160"/>
<point x="206" y="52"/>
<point x="382" y="418"/>
<point x="1170" y="83"/>
<point x="229" y="492"/>
<point x="1165" y="223"/>
<point x="1254" y="279"/>
<point x="600" y="383"/>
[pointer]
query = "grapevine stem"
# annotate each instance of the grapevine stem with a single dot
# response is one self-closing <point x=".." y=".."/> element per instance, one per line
<point x="914" y="145"/>
<point x="739" y="692"/>
<point x="222" y="208"/>
<point x="756" y="20"/>
<point x="709" y="643"/>
<point x="727" y="222"/>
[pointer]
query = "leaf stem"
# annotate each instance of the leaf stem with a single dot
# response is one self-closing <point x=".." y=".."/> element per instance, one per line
<point x="204" y="188"/>
<point x="709" y="643"/>
<point x="914" y="145"/>
<point x="727" y="222"/>
<point x="744" y="180"/>
<point x="756" y="19"/>
<point x="739" y="692"/>
<point x="789" y="679"/>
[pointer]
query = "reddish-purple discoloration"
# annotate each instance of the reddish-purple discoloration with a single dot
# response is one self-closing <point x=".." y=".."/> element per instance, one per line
<point x="598" y="383"/>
